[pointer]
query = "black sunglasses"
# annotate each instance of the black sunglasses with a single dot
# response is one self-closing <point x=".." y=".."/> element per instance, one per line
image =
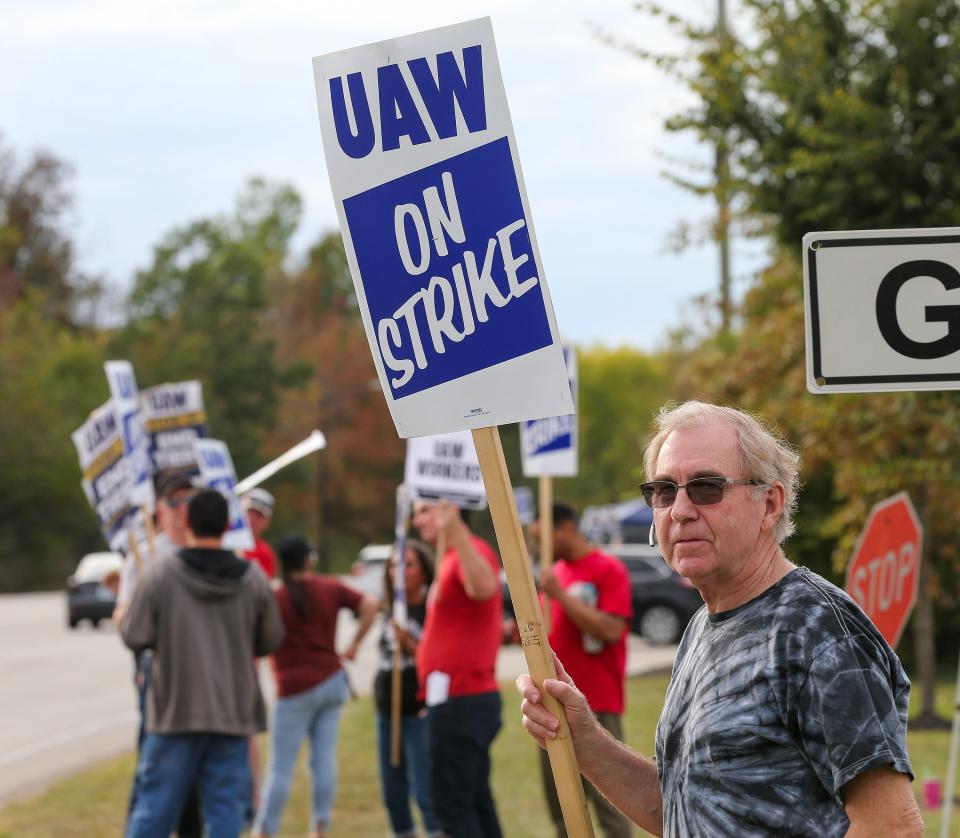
<point x="702" y="491"/>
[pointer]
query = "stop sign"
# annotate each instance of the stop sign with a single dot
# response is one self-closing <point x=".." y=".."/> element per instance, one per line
<point x="883" y="575"/>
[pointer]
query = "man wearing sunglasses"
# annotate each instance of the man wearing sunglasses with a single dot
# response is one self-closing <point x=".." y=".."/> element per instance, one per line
<point x="786" y="710"/>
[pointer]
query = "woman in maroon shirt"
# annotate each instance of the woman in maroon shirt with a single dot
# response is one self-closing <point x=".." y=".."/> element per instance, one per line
<point x="311" y="683"/>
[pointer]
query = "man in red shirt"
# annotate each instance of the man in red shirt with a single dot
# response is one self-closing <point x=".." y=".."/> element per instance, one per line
<point x="258" y="504"/>
<point x="456" y="662"/>
<point x="590" y="611"/>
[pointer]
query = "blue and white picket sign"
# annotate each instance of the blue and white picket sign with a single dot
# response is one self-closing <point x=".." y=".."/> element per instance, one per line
<point x="438" y="231"/>
<point x="217" y="472"/>
<point x="445" y="467"/>
<point x="548" y="447"/>
<point x="106" y="478"/>
<point x="173" y="417"/>
<point x="126" y="399"/>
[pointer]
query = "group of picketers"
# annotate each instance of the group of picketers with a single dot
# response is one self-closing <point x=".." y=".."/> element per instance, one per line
<point x="786" y="710"/>
<point x="198" y="617"/>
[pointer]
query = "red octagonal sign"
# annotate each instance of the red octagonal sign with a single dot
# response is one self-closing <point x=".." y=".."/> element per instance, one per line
<point x="883" y="575"/>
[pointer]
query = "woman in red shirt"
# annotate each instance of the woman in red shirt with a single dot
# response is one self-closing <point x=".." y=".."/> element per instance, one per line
<point x="311" y="683"/>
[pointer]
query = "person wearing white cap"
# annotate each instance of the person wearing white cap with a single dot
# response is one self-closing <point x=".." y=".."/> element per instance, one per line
<point x="258" y="504"/>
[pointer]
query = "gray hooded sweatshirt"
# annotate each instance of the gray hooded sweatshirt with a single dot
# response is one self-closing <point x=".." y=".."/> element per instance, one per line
<point x="206" y="615"/>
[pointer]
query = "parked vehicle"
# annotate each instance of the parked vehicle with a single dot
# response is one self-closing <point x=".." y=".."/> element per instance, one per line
<point x="91" y="589"/>
<point x="663" y="601"/>
<point x="366" y="574"/>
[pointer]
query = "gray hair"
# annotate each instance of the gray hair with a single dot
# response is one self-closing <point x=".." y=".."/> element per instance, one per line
<point x="764" y="454"/>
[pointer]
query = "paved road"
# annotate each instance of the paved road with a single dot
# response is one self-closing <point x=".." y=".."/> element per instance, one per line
<point x="66" y="697"/>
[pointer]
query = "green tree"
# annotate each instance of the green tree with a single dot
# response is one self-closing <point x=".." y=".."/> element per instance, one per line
<point x="203" y="310"/>
<point x="50" y="378"/>
<point x="837" y="115"/>
<point x="36" y="252"/>
<point x="620" y="389"/>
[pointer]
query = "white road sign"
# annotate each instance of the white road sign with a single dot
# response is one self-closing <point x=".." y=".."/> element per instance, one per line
<point x="882" y="310"/>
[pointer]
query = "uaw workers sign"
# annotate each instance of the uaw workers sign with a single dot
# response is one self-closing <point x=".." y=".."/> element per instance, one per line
<point x="217" y="472"/>
<point x="882" y="310"/>
<point x="126" y="400"/>
<point x="173" y="416"/>
<point x="438" y="233"/>
<point x="445" y="467"/>
<point x="107" y="477"/>
<point x="548" y="447"/>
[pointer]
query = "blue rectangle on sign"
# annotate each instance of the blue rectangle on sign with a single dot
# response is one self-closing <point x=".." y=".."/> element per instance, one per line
<point x="448" y="269"/>
<point x="542" y="436"/>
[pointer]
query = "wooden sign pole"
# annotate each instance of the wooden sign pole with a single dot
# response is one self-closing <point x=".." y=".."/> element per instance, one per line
<point x="148" y="524"/>
<point x="546" y="538"/>
<point x="132" y="541"/>
<point x="536" y="650"/>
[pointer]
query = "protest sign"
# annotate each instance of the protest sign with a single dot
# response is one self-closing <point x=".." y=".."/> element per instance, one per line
<point x="173" y="417"/>
<point x="439" y="238"/>
<point x="445" y="467"/>
<point x="438" y="231"/>
<point x="123" y="391"/>
<point x="548" y="447"/>
<point x="107" y="478"/>
<point x="216" y="471"/>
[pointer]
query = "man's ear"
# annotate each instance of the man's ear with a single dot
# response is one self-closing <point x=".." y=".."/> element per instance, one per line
<point x="773" y="506"/>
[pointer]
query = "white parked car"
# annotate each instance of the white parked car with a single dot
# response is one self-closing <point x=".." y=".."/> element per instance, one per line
<point x="91" y="590"/>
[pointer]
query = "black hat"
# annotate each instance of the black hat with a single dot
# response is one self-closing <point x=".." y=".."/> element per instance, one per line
<point x="293" y="548"/>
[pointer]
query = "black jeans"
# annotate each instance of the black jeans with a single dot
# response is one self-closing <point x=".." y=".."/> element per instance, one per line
<point x="460" y="733"/>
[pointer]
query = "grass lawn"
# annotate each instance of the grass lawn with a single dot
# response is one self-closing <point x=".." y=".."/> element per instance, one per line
<point x="92" y="803"/>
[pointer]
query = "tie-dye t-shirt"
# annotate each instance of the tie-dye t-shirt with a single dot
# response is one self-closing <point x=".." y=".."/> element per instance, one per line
<point x="772" y="708"/>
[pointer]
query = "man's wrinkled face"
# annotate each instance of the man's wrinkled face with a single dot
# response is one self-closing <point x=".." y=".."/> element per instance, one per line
<point x="707" y="544"/>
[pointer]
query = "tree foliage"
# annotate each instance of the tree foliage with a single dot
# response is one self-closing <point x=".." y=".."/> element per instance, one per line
<point x="36" y="251"/>
<point x="836" y="114"/>
<point x="203" y="310"/>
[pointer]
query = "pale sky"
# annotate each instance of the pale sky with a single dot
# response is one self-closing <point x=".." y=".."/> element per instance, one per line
<point x="165" y="109"/>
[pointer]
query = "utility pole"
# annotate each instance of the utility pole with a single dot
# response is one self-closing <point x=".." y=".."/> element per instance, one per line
<point x="722" y="172"/>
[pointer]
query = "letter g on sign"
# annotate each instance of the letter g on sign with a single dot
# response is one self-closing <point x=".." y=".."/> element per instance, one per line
<point x="886" y="309"/>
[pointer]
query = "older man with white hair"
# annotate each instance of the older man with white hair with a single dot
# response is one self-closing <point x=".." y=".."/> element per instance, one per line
<point x="786" y="710"/>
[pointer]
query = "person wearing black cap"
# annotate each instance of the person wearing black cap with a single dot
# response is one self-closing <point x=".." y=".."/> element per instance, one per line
<point x="311" y="683"/>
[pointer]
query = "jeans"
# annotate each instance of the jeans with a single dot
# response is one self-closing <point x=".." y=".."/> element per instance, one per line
<point x="461" y="731"/>
<point x="170" y="763"/>
<point x="613" y="823"/>
<point x="412" y="775"/>
<point x="314" y="713"/>
<point x="189" y="824"/>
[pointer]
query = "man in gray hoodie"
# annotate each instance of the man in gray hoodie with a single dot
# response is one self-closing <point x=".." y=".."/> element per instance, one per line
<point x="206" y="614"/>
